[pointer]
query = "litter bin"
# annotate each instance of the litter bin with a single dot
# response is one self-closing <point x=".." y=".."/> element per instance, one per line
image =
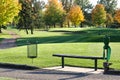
<point x="32" y="50"/>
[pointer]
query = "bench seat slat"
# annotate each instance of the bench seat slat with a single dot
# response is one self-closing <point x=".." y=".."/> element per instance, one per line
<point x="76" y="56"/>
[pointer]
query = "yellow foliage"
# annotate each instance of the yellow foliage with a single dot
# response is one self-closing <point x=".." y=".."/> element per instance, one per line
<point x="8" y="10"/>
<point x="75" y="15"/>
<point x="117" y="16"/>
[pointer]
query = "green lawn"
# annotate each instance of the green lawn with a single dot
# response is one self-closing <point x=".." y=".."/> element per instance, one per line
<point x="71" y="35"/>
<point x="3" y="78"/>
<point x="65" y="41"/>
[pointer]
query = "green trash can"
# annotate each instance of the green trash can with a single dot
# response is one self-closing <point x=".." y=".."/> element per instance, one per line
<point x="32" y="50"/>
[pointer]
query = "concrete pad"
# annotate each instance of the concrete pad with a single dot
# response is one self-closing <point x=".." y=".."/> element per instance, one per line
<point x="76" y="69"/>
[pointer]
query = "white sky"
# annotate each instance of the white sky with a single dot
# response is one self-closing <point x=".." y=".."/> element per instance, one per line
<point x="95" y="1"/>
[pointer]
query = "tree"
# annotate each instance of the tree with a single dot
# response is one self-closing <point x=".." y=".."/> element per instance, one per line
<point x="15" y="21"/>
<point x="76" y="15"/>
<point x="99" y="15"/>
<point x="109" y="19"/>
<point x="28" y="15"/>
<point x="67" y="4"/>
<point x="38" y="8"/>
<point x="25" y="21"/>
<point x="117" y="16"/>
<point x="110" y="5"/>
<point x="86" y="7"/>
<point x="84" y="4"/>
<point x="8" y="10"/>
<point x="54" y="13"/>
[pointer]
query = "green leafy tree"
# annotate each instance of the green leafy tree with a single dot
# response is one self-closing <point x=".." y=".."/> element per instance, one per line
<point x="26" y="14"/>
<point x="38" y="8"/>
<point x="67" y="4"/>
<point x="99" y="15"/>
<point x="29" y="15"/>
<point x="15" y="21"/>
<point x="54" y="13"/>
<point x="110" y="5"/>
<point x="84" y="4"/>
<point x="8" y="10"/>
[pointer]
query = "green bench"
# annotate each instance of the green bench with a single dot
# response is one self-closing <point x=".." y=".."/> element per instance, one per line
<point x="81" y="57"/>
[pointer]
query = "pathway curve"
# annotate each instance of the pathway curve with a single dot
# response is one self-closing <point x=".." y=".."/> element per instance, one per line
<point x="9" y="42"/>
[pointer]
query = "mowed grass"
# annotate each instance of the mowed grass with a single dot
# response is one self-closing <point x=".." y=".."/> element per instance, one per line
<point x="45" y="59"/>
<point x="71" y="35"/>
<point x="3" y="78"/>
<point x="86" y="42"/>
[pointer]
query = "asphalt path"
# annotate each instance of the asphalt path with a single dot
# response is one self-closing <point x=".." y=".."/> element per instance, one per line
<point x="45" y="74"/>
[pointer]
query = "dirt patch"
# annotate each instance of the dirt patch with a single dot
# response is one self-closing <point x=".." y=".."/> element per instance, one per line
<point x="9" y="42"/>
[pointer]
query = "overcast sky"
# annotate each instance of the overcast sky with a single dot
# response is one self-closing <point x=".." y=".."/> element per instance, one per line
<point x="95" y="1"/>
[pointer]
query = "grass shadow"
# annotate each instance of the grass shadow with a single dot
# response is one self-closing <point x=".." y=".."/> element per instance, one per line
<point x="90" y="35"/>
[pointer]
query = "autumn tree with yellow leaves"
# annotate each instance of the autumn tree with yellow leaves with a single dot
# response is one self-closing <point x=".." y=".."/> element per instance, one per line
<point x="117" y="16"/>
<point x="8" y="10"/>
<point x="99" y="15"/>
<point x="75" y="15"/>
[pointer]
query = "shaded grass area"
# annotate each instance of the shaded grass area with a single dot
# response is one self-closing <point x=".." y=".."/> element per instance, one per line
<point x="70" y="36"/>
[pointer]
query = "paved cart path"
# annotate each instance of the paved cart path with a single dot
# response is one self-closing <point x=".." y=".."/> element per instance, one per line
<point x="47" y="74"/>
<point x="9" y="42"/>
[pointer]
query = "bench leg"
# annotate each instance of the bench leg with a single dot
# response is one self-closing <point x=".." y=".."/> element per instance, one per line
<point x="95" y="64"/>
<point x="62" y="62"/>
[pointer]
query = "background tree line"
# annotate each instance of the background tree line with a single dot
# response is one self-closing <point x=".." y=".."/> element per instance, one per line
<point x="63" y="13"/>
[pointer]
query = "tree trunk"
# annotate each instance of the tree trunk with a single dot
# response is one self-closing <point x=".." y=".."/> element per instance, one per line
<point x="26" y="31"/>
<point x="106" y="25"/>
<point x="75" y="25"/>
<point x="25" y="26"/>
<point x="68" y="24"/>
<point x="81" y="24"/>
<point x="61" y="24"/>
<point x="31" y="30"/>
<point x="54" y="25"/>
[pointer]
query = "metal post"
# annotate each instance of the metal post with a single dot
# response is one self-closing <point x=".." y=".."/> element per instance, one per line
<point x="95" y="64"/>
<point x="62" y="62"/>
